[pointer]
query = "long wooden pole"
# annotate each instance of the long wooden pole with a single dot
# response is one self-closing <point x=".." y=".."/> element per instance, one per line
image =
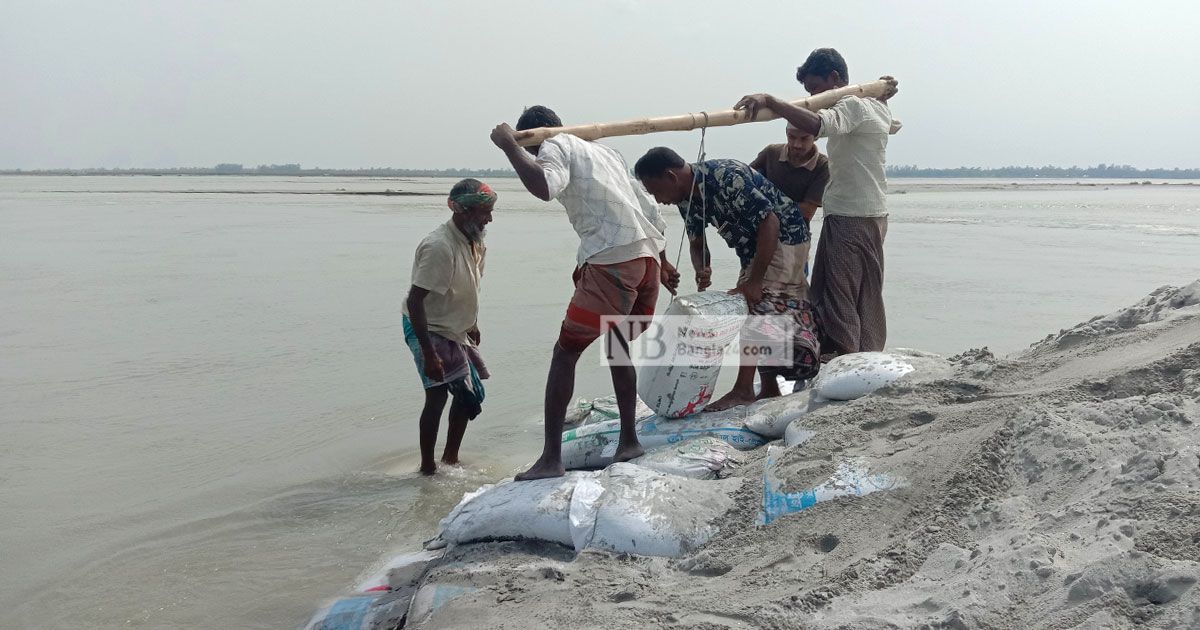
<point x="687" y="122"/>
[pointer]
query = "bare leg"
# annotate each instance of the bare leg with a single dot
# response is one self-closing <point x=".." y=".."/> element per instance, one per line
<point x="454" y="436"/>
<point x="624" y="378"/>
<point x="770" y="387"/>
<point x="431" y="417"/>
<point x="741" y="394"/>
<point x="560" y="385"/>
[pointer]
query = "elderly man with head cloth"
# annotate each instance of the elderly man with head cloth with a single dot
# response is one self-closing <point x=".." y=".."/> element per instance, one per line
<point x="441" y="318"/>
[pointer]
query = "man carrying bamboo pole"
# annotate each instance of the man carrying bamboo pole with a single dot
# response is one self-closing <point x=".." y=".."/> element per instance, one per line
<point x="620" y="264"/>
<point x="847" y="283"/>
<point x="770" y="235"/>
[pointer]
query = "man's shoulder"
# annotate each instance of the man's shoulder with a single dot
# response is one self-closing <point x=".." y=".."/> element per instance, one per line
<point x="438" y="241"/>
<point x="575" y="148"/>
<point x="822" y="162"/>
<point x="772" y="150"/>
<point x="866" y="105"/>
<point x="725" y="165"/>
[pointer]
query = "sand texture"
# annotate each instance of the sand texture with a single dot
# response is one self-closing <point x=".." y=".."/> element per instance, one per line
<point x="1057" y="488"/>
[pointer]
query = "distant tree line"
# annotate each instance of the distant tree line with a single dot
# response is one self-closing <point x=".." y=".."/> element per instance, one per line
<point x="276" y="169"/>
<point x="1102" y="171"/>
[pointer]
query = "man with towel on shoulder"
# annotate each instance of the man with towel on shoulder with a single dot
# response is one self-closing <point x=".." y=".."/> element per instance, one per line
<point x="441" y="318"/>
<point x="619" y="266"/>
<point x="847" y="284"/>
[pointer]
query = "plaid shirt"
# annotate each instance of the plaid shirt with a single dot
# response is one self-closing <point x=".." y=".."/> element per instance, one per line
<point x="735" y="199"/>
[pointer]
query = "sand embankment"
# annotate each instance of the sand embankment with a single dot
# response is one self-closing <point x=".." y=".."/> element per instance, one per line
<point x="1058" y="488"/>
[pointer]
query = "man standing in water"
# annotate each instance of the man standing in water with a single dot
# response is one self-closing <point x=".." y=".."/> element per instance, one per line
<point x="441" y="318"/>
<point x="768" y="232"/>
<point x="847" y="283"/>
<point x="619" y="265"/>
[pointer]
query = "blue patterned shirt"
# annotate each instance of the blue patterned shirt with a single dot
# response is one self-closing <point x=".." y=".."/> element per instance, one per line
<point x="735" y="200"/>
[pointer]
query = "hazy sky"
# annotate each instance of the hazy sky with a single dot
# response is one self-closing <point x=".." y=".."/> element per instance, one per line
<point x="420" y="84"/>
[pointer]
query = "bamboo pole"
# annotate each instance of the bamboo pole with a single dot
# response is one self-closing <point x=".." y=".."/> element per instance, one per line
<point x="687" y="122"/>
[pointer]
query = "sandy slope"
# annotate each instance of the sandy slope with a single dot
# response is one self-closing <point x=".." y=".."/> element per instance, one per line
<point x="1056" y="489"/>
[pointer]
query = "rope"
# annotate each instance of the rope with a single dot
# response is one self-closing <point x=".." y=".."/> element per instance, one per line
<point x="692" y="191"/>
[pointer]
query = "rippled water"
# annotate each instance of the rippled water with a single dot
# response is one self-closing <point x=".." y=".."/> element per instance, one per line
<point x="209" y="412"/>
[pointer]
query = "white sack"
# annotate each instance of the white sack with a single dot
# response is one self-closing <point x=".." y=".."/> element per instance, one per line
<point x="770" y="418"/>
<point x="586" y="412"/>
<point x="399" y="572"/>
<point x="593" y="446"/>
<point x="796" y="434"/>
<point x="653" y="514"/>
<point x="855" y="375"/>
<point x="705" y="457"/>
<point x="514" y="510"/>
<point x="684" y="380"/>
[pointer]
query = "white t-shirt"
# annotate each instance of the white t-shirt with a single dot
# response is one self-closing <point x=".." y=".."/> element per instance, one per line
<point x="857" y="129"/>
<point x="616" y="219"/>
<point x="450" y="267"/>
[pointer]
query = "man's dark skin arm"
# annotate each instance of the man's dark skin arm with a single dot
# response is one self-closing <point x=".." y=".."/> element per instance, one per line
<point x="802" y="119"/>
<point x="669" y="275"/>
<point x="416" y="315"/>
<point x="766" y="244"/>
<point x="522" y="162"/>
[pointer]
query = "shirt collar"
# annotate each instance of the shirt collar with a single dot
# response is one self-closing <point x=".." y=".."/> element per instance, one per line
<point x="457" y="236"/>
<point x="810" y="164"/>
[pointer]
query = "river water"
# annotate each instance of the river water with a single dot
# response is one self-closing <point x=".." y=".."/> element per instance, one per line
<point x="209" y="413"/>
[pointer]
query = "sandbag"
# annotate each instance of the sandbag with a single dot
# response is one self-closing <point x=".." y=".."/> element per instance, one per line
<point x="601" y="409"/>
<point x="514" y="510"/>
<point x="855" y="375"/>
<point x="399" y="571"/>
<point x="704" y="457"/>
<point x="851" y="479"/>
<point x="594" y="446"/>
<point x="786" y="387"/>
<point x="364" y="611"/>
<point x="649" y="513"/>
<point x="770" y="418"/>
<point x="796" y="434"/>
<point x="431" y="597"/>
<point x="699" y="329"/>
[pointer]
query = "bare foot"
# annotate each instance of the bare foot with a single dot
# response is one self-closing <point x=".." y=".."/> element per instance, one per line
<point x="766" y="395"/>
<point x="428" y="469"/>
<point x="542" y="470"/>
<point x="628" y="452"/>
<point x="450" y="461"/>
<point x="730" y="400"/>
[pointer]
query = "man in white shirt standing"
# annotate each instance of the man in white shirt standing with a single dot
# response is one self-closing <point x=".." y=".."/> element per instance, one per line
<point x="847" y="280"/>
<point x="619" y="265"/>
<point x="441" y="318"/>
